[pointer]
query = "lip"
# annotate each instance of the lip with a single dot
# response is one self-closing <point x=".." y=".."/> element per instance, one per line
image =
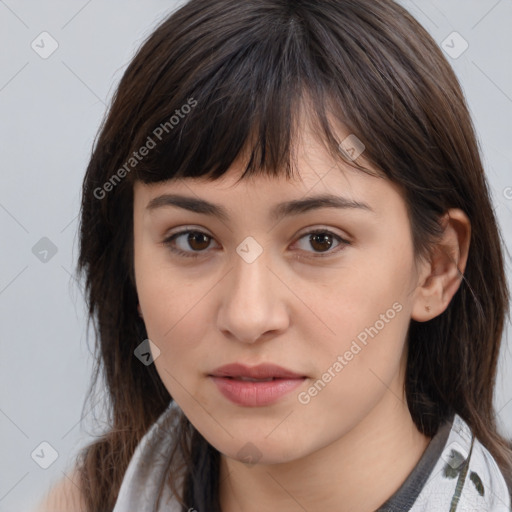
<point x="251" y="393"/>
<point x="261" y="371"/>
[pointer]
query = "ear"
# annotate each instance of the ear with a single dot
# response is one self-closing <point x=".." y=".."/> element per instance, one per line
<point x="140" y="311"/>
<point x="440" y="275"/>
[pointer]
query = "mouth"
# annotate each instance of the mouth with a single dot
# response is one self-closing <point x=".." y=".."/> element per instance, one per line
<point x="255" y="386"/>
<point x="250" y="379"/>
<point x="260" y="373"/>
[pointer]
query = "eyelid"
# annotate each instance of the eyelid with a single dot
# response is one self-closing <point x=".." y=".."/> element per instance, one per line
<point x="319" y="228"/>
<point x="185" y="228"/>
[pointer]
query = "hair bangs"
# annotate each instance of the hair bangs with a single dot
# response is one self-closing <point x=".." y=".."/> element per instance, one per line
<point x="244" y="104"/>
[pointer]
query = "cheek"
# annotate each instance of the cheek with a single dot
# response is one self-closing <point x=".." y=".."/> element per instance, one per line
<point x="175" y="320"/>
<point x="367" y="312"/>
<point x="358" y="365"/>
<point x="177" y="315"/>
<point x="368" y="292"/>
<point x="162" y="294"/>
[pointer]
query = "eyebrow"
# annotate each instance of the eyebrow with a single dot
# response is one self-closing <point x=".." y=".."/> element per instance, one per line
<point x="294" y="207"/>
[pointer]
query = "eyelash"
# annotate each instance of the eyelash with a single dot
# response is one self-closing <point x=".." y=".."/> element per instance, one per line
<point x="168" y="242"/>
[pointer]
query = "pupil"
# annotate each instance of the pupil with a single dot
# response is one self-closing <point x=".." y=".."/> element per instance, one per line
<point x="324" y="238"/>
<point x="193" y="237"/>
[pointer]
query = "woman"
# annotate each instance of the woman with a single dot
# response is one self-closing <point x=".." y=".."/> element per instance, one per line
<point x="294" y="270"/>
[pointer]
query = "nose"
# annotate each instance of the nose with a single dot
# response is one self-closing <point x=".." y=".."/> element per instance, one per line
<point x="253" y="302"/>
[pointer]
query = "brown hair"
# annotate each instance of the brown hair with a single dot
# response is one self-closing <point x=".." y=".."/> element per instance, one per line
<point x="249" y="67"/>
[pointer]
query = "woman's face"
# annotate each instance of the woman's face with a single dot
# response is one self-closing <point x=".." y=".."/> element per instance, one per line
<point x="253" y="286"/>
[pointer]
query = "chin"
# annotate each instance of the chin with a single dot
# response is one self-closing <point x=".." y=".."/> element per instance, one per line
<point x="256" y="448"/>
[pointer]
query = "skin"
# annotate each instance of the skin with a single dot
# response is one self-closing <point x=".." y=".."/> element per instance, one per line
<point x="301" y="312"/>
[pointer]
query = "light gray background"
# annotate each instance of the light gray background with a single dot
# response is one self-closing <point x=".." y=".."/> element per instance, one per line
<point x="50" y="110"/>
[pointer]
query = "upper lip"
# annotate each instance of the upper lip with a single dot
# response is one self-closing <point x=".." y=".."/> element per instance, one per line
<point x="261" y="371"/>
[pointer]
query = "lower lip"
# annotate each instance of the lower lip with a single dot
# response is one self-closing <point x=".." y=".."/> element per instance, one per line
<point x="255" y="394"/>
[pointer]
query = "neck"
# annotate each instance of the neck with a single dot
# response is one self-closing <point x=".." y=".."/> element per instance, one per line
<point x="337" y="476"/>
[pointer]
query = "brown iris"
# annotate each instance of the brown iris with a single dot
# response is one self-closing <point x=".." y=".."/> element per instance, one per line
<point x="200" y="238"/>
<point x="321" y="241"/>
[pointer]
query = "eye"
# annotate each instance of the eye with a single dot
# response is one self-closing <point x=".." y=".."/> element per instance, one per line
<point x="322" y="241"/>
<point x="195" y="240"/>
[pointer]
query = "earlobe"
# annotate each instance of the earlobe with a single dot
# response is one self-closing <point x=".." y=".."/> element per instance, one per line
<point x="140" y="311"/>
<point x="446" y="267"/>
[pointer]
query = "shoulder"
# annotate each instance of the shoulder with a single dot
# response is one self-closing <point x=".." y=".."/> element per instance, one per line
<point x="485" y="474"/>
<point x="64" y="496"/>
<point x="465" y="474"/>
<point x="154" y="459"/>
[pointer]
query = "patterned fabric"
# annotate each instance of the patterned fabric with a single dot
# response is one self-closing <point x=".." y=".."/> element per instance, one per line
<point x="464" y="477"/>
<point x="455" y="474"/>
